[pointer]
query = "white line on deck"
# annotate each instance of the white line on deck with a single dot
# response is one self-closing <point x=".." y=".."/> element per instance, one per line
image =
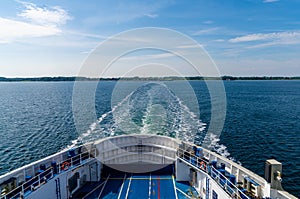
<point x="103" y="186"/>
<point x="93" y="190"/>
<point x="150" y="186"/>
<point x="174" y="187"/>
<point x="183" y="193"/>
<point x="122" y="187"/>
<point x="128" y="187"/>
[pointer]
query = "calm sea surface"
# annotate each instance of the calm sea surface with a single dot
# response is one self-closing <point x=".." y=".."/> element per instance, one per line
<point x="262" y="121"/>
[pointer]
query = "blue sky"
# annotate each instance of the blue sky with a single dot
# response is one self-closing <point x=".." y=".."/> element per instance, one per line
<point x="243" y="37"/>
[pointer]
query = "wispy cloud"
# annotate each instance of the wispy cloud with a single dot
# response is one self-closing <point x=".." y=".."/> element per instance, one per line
<point x="53" y="16"/>
<point x="125" y="11"/>
<point x="219" y="40"/>
<point x="153" y="16"/>
<point x="148" y="57"/>
<point x="189" y="46"/>
<point x="275" y="37"/>
<point x="11" y="30"/>
<point x="35" y="22"/>
<point x="269" y="1"/>
<point x="205" y="31"/>
<point x="87" y="35"/>
<point x="208" y="22"/>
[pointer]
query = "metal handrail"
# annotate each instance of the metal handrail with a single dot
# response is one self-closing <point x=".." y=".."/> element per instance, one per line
<point x="236" y="192"/>
<point x="41" y="178"/>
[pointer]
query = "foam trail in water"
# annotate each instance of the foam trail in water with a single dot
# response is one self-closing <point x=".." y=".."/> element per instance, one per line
<point x="156" y="110"/>
<point x="193" y="121"/>
<point x="151" y="109"/>
<point x="217" y="147"/>
<point x="93" y="126"/>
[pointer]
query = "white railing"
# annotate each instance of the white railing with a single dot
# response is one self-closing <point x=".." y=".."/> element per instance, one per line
<point x="204" y="166"/>
<point x="42" y="178"/>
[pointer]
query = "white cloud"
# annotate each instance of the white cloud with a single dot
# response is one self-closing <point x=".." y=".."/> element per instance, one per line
<point x="41" y="22"/>
<point x="281" y="37"/>
<point x="269" y="1"/>
<point x="53" y="16"/>
<point x="11" y="30"/>
<point x="153" y="16"/>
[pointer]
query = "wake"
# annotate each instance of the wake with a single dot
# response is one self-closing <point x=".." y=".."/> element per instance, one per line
<point x="151" y="109"/>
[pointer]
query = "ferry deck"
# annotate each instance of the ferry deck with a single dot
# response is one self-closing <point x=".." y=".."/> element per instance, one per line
<point x="140" y="166"/>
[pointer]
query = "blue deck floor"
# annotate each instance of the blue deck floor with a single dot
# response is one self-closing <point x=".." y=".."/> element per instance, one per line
<point x="163" y="187"/>
<point x="155" y="185"/>
<point x="184" y="190"/>
<point x="112" y="187"/>
<point x="124" y="188"/>
<point x="139" y="187"/>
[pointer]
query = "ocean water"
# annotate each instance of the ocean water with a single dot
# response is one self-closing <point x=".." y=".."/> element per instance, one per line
<point x="262" y="119"/>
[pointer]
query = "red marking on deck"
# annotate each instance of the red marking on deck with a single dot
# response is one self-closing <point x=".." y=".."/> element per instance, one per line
<point x="158" y="187"/>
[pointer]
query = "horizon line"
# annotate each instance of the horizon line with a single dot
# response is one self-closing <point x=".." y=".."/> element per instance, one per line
<point x="154" y="78"/>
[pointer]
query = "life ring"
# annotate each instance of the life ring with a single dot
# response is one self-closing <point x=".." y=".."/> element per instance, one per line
<point x="203" y="165"/>
<point x="65" y="166"/>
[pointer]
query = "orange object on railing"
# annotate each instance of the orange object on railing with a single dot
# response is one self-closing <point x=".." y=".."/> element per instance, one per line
<point x="203" y="165"/>
<point x="65" y="166"/>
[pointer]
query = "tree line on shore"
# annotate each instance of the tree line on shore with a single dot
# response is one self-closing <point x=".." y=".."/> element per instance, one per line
<point x="171" y="78"/>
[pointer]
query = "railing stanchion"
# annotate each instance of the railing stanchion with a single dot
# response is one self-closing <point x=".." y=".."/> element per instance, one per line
<point x="23" y="189"/>
<point x="39" y="179"/>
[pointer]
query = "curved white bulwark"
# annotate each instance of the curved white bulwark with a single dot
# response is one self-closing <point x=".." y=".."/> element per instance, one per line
<point x="63" y="174"/>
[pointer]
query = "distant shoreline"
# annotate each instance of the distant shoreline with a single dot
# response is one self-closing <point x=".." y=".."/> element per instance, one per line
<point x="59" y="79"/>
